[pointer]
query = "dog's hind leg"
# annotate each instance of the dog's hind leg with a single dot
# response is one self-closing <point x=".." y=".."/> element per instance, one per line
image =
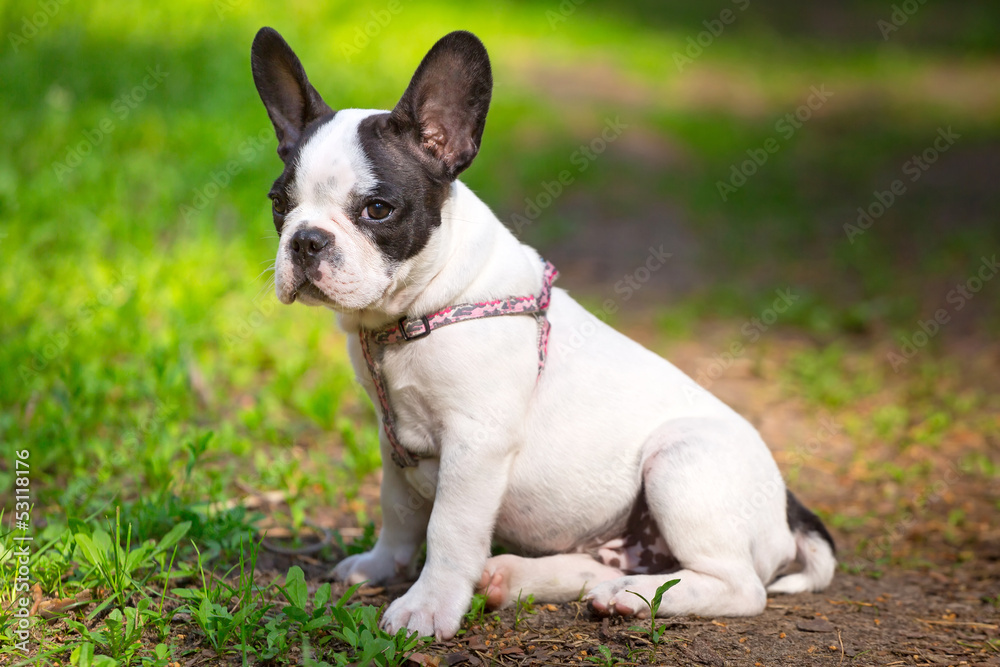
<point x="560" y="578"/>
<point x="719" y="503"/>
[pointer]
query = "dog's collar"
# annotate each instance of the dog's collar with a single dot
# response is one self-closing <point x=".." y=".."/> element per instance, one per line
<point x="413" y="328"/>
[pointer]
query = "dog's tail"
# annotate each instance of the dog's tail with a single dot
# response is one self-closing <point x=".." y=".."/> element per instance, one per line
<point x="814" y="552"/>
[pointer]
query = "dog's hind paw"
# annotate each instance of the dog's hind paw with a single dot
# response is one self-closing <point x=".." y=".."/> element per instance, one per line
<point x="613" y="598"/>
<point x="494" y="584"/>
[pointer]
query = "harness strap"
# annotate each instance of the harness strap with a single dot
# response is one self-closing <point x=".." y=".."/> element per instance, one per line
<point x="408" y="329"/>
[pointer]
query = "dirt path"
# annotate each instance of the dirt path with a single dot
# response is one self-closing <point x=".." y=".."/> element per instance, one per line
<point x="931" y="616"/>
<point x="904" y="618"/>
<point x="921" y="552"/>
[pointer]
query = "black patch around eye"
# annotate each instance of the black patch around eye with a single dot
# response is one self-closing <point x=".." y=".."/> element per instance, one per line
<point x="405" y="183"/>
<point x="279" y="222"/>
<point x="282" y="185"/>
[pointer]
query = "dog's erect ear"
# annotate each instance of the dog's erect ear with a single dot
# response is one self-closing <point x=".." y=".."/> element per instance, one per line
<point x="444" y="108"/>
<point x="291" y="101"/>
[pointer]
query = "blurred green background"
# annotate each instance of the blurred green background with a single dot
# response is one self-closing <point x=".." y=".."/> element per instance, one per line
<point x="138" y="329"/>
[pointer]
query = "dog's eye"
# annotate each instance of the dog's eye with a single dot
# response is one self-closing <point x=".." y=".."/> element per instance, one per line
<point x="377" y="210"/>
<point x="278" y="204"/>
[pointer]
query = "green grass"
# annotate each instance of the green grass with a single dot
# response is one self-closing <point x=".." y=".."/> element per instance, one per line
<point x="654" y="633"/>
<point x="151" y="374"/>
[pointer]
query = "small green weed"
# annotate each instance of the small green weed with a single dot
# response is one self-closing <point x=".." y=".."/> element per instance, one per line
<point x="212" y="612"/>
<point x="7" y="627"/>
<point x="477" y="610"/>
<point x="162" y="657"/>
<point x="120" y="568"/>
<point x="654" y="633"/>
<point x="370" y="644"/>
<point x="120" y="638"/>
<point x="83" y="656"/>
<point x="294" y="619"/>
<point x="219" y="533"/>
<point x="122" y="634"/>
<point x="125" y="572"/>
<point x="522" y="608"/>
<point x="354" y="627"/>
<point x="605" y="659"/>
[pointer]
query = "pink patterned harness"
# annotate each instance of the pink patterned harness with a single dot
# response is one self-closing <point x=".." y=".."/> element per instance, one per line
<point x="412" y="328"/>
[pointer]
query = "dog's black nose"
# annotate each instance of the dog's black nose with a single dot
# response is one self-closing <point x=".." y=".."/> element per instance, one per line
<point x="306" y="243"/>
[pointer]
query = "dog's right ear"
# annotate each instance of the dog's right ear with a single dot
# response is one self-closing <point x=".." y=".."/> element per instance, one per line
<point x="290" y="100"/>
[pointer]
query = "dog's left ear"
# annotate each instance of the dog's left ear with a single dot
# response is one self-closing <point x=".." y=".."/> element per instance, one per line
<point x="291" y="101"/>
<point x="443" y="110"/>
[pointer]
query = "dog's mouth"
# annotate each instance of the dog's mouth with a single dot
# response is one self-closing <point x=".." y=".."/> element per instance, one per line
<point x="307" y="289"/>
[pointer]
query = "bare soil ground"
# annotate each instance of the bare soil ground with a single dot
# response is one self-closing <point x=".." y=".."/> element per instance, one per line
<point x="918" y="587"/>
<point x="905" y="617"/>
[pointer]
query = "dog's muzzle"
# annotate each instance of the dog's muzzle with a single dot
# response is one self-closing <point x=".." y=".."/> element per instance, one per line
<point x="309" y="246"/>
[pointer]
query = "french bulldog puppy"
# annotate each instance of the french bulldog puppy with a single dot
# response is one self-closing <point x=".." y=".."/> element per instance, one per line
<point x="601" y="467"/>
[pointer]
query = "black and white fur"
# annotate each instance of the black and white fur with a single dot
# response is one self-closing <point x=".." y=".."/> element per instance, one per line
<point x="612" y="471"/>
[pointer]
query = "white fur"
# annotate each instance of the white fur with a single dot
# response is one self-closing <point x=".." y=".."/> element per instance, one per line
<point x="551" y="466"/>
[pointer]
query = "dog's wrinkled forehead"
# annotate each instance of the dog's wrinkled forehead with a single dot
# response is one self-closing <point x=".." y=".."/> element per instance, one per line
<point x="331" y="165"/>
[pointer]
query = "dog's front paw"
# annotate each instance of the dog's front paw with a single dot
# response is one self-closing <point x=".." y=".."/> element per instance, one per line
<point x="375" y="568"/>
<point x="428" y="613"/>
